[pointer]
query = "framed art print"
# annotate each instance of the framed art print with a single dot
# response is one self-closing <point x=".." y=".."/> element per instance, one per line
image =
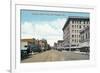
<point x="51" y="37"/>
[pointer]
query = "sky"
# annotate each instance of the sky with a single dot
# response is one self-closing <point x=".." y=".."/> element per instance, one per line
<point x="45" y="24"/>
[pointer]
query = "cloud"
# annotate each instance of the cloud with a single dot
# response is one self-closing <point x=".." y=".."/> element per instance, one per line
<point x="51" y="31"/>
<point x="27" y="30"/>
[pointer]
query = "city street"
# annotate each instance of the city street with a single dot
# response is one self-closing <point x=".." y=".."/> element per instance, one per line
<point x="54" y="55"/>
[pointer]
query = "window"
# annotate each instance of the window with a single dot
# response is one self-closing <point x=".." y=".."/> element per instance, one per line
<point x="77" y="26"/>
<point x="80" y="22"/>
<point x="87" y="22"/>
<point x="75" y="40"/>
<point x="86" y="35"/>
<point x="72" y="26"/>
<point x="72" y="35"/>
<point x="84" y="26"/>
<point x="72" y="22"/>
<point x="80" y="26"/>
<point x="73" y="31"/>
<point x="75" y="36"/>
<point x="84" y="22"/>
<point x="72" y="40"/>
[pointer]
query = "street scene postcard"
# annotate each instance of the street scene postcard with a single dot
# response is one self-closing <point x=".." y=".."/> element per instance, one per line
<point x="49" y="36"/>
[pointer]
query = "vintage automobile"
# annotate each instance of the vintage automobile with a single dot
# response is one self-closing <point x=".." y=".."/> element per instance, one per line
<point x="23" y="52"/>
<point x="26" y="51"/>
<point x="36" y="48"/>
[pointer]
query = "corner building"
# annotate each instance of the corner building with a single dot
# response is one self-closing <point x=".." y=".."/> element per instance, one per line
<point x="71" y="31"/>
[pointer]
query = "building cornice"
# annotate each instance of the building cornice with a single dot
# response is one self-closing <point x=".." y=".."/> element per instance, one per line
<point x="78" y="18"/>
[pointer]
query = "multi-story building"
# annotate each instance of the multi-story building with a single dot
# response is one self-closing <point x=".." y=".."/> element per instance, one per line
<point x="60" y="45"/>
<point x="43" y="44"/>
<point x="34" y="42"/>
<point x="25" y="43"/>
<point x="85" y="39"/>
<point x="55" y="45"/>
<point x="71" y="31"/>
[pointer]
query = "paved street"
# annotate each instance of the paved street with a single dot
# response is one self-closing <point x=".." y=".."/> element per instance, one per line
<point x="54" y="55"/>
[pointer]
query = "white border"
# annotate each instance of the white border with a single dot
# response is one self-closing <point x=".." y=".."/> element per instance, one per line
<point x="15" y="60"/>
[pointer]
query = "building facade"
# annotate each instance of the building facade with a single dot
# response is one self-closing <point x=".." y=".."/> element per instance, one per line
<point x="34" y="42"/>
<point x="25" y="43"/>
<point x="60" y="45"/>
<point x="55" y="45"/>
<point x="71" y="31"/>
<point x="85" y="39"/>
<point x="43" y="44"/>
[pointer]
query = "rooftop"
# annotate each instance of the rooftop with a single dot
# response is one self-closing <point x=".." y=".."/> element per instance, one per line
<point x="27" y="40"/>
<point x="74" y="18"/>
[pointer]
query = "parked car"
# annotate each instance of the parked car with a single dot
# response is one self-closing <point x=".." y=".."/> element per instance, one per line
<point x="29" y="49"/>
<point x="23" y="53"/>
<point x="36" y="48"/>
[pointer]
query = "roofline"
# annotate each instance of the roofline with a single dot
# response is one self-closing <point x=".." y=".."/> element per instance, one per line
<point x="74" y="17"/>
